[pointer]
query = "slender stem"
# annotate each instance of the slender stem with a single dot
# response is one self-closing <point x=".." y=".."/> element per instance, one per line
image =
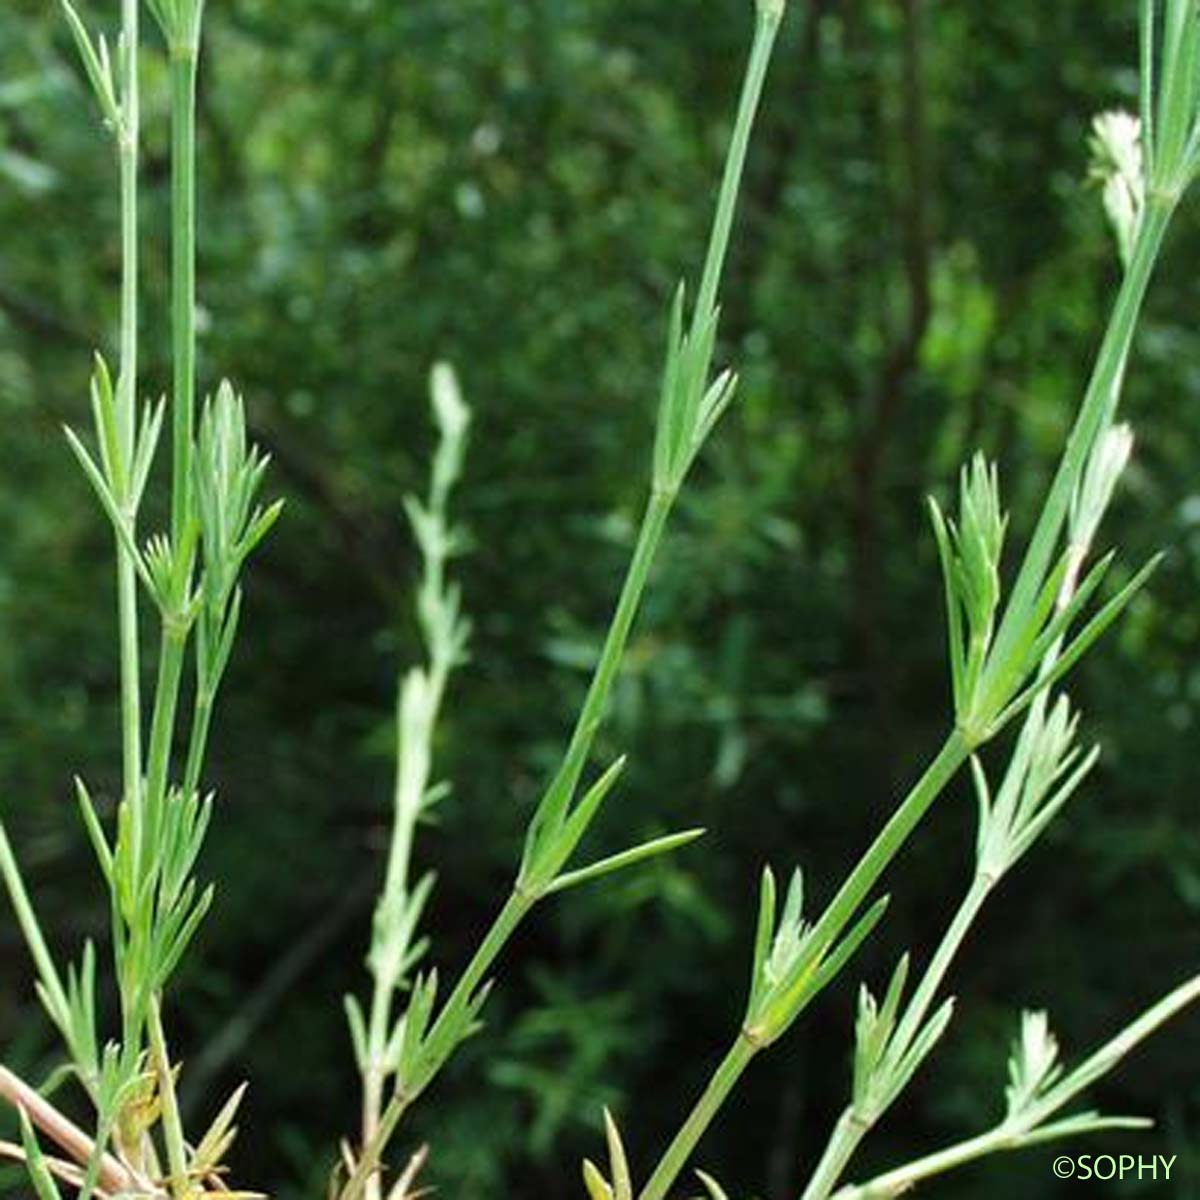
<point x="202" y="707"/>
<point x="127" y="615"/>
<point x="847" y="1134"/>
<point x="1099" y="405"/>
<point x="496" y="938"/>
<point x="926" y="992"/>
<point x="127" y="596"/>
<point x="1096" y="414"/>
<point x="902" y="1179"/>
<point x="562" y="787"/>
<point x="723" y="1079"/>
<point x="502" y="928"/>
<point x="114" y="1176"/>
<point x="162" y="728"/>
<point x="131" y="703"/>
<point x="760" y="57"/>
<point x="32" y="930"/>
<point x="654" y="521"/>
<point x="891" y="839"/>
<point x="172" y="1126"/>
<point x="183" y="68"/>
<point x="413" y="764"/>
<point x="372" y="1108"/>
<point x="854" y="1125"/>
<point x="412" y="779"/>
<point x="367" y="1168"/>
<point x="417" y="707"/>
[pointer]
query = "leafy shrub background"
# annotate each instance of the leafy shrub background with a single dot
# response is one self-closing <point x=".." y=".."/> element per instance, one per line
<point x="918" y="269"/>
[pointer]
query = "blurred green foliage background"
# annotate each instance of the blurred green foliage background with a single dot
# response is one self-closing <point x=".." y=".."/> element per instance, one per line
<point x="516" y="185"/>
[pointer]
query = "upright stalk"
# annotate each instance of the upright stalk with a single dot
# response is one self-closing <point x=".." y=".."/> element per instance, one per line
<point x="202" y="707"/>
<point x="935" y="973"/>
<point x="502" y="928"/>
<point x="676" y="1155"/>
<point x="765" y="31"/>
<point x="853" y="1126"/>
<point x="162" y="726"/>
<point x="547" y="846"/>
<point x="127" y="585"/>
<point x="1096" y="411"/>
<point x="843" y="1142"/>
<point x="184" y="56"/>
<point x="127" y="609"/>
<point x="177" y="1157"/>
<point x="891" y="839"/>
<point x="654" y="521"/>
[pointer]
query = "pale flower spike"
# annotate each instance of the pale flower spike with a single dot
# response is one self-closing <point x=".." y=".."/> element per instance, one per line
<point x="1106" y="464"/>
<point x="1116" y="149"/>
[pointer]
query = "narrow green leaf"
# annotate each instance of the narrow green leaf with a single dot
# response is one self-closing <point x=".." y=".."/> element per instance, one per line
<point x="50" y="988"/>
<point x="1062" y="621"/>
<point x="845" y="949"/>
<point x="594" y="1181"/>
<point x="618" y="1162"/>
<point x="922" y="1046"/>
<point x="983" y="797"/>
<point x="358" y="1029"/>
<point x="711" y="1186"/>
<point x="953" y="613"/>
<point x="1081" y="1123"/>
<point x="626" y="858"/>
<point x="147" y="445"/>
<point x="97" y="66"/>
<point x="109" y="504"/>
<point x="35" y="1162"/>
<point x="1083" y="640"/>
<point x="95" y="831"/>
<point x="563" y="835"/>
<point x="763" y="935"/>
<point x="891" y="1000"/>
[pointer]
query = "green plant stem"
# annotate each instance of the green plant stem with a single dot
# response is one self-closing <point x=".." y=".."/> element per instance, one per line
<point x="852" y="1125"/>
<point x="502" y="928"/>
<point x="934" y="975"/>
<point x="172" y="1127"/>
<point x="410" y="787"/>
<point x="890" y="840"/>
<point x="563" y="786"/>
<point x="411" y="783"/>
<point x="849" y="1131"/>
<point x="721" y="1083"/>
<point x="162" y="728"/>
<point x="902" y="1179"/>
<point x="32" y="930"/>
<point x="654" y="521"/>
<point x="202" y="708"/>
<point x="765" y="31"/>
<point x="367" y="1168"/>
<point x="183" y="67"/>
<point x="127" y="608"/>
<point x="114" y="1176"/>
<point x="131" y="702"/>
<point x="565" y="781"/>
<point x="1096" y="411"/>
